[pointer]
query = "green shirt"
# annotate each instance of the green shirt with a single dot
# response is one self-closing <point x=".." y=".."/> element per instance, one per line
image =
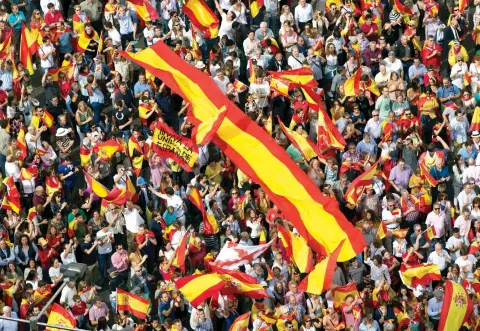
<point x="296" y="156"/>
<point x="383" y="106"/>
<point x="71" y="216"/>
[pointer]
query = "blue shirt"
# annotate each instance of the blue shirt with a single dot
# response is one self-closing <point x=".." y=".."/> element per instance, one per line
<point x="65" y="43"/>
<point x="371" y="147"/>
<point x="437" y="174"/>
<point x="162" y="306"/>
<point x="466" y="155"/>
<point x="169" y="218"/>
<point x="446" y="92"/>
<point x="420" y="70"/>
<point x="64" y="169"/>
<point x="12" y="18"/>
<point x="140" y="87"/>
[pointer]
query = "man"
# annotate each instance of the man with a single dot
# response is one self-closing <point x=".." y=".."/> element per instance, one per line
<point x="435" y="307"/>
<point x="417" y="70"/>
<point x="263" y="32"/>
<point x="432" y="53"/>
<point x="15" y="20"/>
<point x="133" y="220"/>
<point x="6" y="325"/>
<point x="468" y="151"/>
<point x="122" y="118"/>
<point x="372" y="57"/>
<point x="438" y="220"/>
<point x="104" y="239"/>
<point x="464" y="222"/>
<point x="97" y="310"/>
<point x="409" y="204"/>
<point x="90" y="258"/>
<point x="303" y="15"/>
<point x="418" y="241"/>
<point x="166" y="307"/>
<point x="6" y="253"/>
<point x="294" y="307"/>
<point x="465" y="198"/>
<point x="404" y="51"/>
<point x="400" y="175"/>
<point x="374" y="126"/>
<point x="460" y="128"/>
<point x="93" y="9"/>
<point x="338" y="81"/>
<point x="139" y="281"/>
<point x="383" y="105"/>
<point x="370" y="29"/>
<point x="46" y="53"/>
<point x="455" y="243"/>
<point x="392" y="217"/>
<point x="441" y="258"/>
<point x="201" y="321"/>
<point x="448" y="92"/>
<point x="68" y="292"/>
<point x="174" y="201"/>
<point x="52" y="17"/>
<point x="367" y="145"/>
<point x="67" y="173"/>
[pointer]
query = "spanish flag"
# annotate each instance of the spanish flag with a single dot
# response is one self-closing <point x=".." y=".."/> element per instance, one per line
<point x="8" y="293"/>
<point x="341" y="292"/>
<point x="52" y="184"/>
<point x="467" y="80"/>
<point x="263" y="237"/>
<point x="204" y="132"/>
<point x="302" y="77"/>
<point x="355" y="84"/>
<point x="12" y="190"/>
<point x="400" y="233"/>
<point x="11" y="203"/>
<point x="320" y="279"/>
<point x="280" y="86"/>
<point x="5" y="46"/>
<point x="28" y="47"/>
<point x="314" y="100"/>
<point x="107" y="149"/>
<point x="85" y="154"/>
<point x="46" y="119"/>
<point x="240" y="323"/>
<point x="133" y="303"/>
<point x="202" y="18"/>
<point x="251" y="71"/>
<point x="60" y="316"/>
<point x="198" y="288"/>
<point x="328" y="134"/>
<point x="256" y="154"/>
<point x="302" y="143"/>
<point x="137" y="161"/>
<point x="456" y="309"/>
<point x="144" y="9"/>
<point x="39" y="295"/>
<point x="268" y="125"/>
<point x="97" y="188"/>
<point x="28" y="173"/>
<point x="84" y="40"/>
<point x="67" y="70"/>
<point x="474" y="247"/>
<point x="255" y="7"/>
<point x="181" y="253"/>
<point x="475" y="126"/>
<point x="430" y="233"/>
<point x="382" y="230"/>
<point x="297" y="250"/>
<point x="78" y="24"/>
<point x="424" y="171"/>
<point x="210" y="225"/>
<point x="239" y="86"/>
<point x="21" y="142"/>
<point x="421" y="274"/>
<point x="239" y="283"/>
<point x="32" y="212"/>
<point x="402" y="9"/>
<point x="359" y="184"/>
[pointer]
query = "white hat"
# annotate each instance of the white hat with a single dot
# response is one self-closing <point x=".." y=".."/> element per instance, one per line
<point x="475" y="134"/>
<point x="200" y="65"/>
<point x="61" y="132"/>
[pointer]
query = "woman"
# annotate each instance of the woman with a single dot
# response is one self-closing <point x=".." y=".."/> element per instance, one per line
<point x="239" y="9"/>
<point x="254" y="225"/>
<point x="14" y="273"/>
<point x="123" y="322"/>
<point x="351" y="65"/>
<point x="431" y="23"/>
<point x="458" y="71"/>
<point x="413" y="93"/>
<point x="454" y="274"/>
<point x="79" y="19"/>
<point x="332" y="61"/>
<point x="316" y="173"/>
<point x="36" y="21"/>
<point x="54" y="272"/>
<point x="135" y="256"/>
<point x="24" y="251"/>
<point x="331" y="170"/>
<point x="337" y="108"/>
<point x="392" y="264"/>
<point x="399" y="247"/>
<point x="286" y="15"/>
<point x="55" y="239"/>
<point x="396" y="86"/>
<point x="84" y="118"/>
<point x="472" y="235"/>
<point x="474" y="70"/>
<point x="262" y="201"/>
<point x="33" y="266"/>
<point x="168" y="252"/>
<point x="358" y="118"/>
<point x="65" y="84"/>
<point x="56" y="204"/>
<point x="32" y="279"/>
<point x="95" y="223"/>
<point x="315" y="305"/>
<point x="10" y="221"/>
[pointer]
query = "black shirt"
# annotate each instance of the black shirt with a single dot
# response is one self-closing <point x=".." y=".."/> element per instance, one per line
<point x="127" y="98"/>
<point x="89" y="259"/>
<point x="122" y="116"/>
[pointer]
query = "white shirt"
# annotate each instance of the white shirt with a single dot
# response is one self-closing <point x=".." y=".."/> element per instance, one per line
<point x="440" y="261"/>
<point x="222" y="84"/>
<point x="466" y="265"/>
<point x="454" y="242"/>
<point x="54" y="272"/>
<point x="115" y="35"/>
<point x="106" y="247"/>
<point x="303" y="14"/>
<point x="297" y="61"/>
<point x="32" y="145"/>
<point x="457" y="74"/>
<point x="395" y="66"/>
<point x="249" y="46"/>
<point x="177" y="237"/>
<point x="132" y="220"/>
<point x="260" y="89"/>
<point x="148" y="33"/>
<point x="67" y="295"/>
<point x="48" y="62"/>
<point x="12" y="169"/>
<point x="177" y="203"/>
<point x="387" y="215"/>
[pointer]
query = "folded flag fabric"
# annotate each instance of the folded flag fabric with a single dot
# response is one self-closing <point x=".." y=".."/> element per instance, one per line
<point x="456" y="308"/>
<point x="421" y="274"/>
<point x="133" y="303"/>
<point x="198" y="288"/>
<point x="60" y="316"/>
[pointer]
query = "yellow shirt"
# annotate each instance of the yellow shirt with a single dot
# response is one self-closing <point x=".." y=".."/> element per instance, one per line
<point x="215" y="172"/>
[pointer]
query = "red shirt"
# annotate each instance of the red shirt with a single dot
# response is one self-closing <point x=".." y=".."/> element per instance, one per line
<point x="366" y="28"/>
<point x="412" y="261"/>
<point x="79" y="310"/>
<point x="272" y="215"/>
<point x="436" y="60"/>
<point x="53" y="18"/>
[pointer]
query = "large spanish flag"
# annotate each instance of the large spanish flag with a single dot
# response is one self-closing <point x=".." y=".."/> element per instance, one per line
<point x="297" y="250"/>
<point x="320" y="279"/>
<point x="341" y="292"/>
<point x="133" y="303"/>
<point x="202" y="18"/>
<point x="357" y="187"/>
<point x="456" y="308"/>
<point x="203" y="133"/>
<point x="239" y="283"/>
<point x="317" y="218"/>
<point x="144" y="9"/>
<point x="421" y="274"/>
<point x="28" y="46"/>
<point x="355" y="84"/>
<point x="181" y="253"/>
<point x="210" y="225"/>
<point x="198" y="288"/>
<point x="60" y="316"/>
<point x="240" y="323"/>
<point x="302" y="143"/>
<point x="302" y="77"/>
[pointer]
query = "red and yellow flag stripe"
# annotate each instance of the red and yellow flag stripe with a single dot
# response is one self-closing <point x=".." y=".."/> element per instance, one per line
<point x="202" y="18"/>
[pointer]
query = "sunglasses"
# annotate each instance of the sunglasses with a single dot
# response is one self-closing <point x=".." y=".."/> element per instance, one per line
<point x="436" y="208"/>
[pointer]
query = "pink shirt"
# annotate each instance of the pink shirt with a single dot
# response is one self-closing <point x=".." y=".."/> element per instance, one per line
<point x="438" y="222"/>
<point x="463" y="225"/>
<point x="120" y="260"/>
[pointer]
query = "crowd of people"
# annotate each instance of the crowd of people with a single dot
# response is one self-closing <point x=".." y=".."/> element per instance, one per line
<point x="422" y="125"/>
